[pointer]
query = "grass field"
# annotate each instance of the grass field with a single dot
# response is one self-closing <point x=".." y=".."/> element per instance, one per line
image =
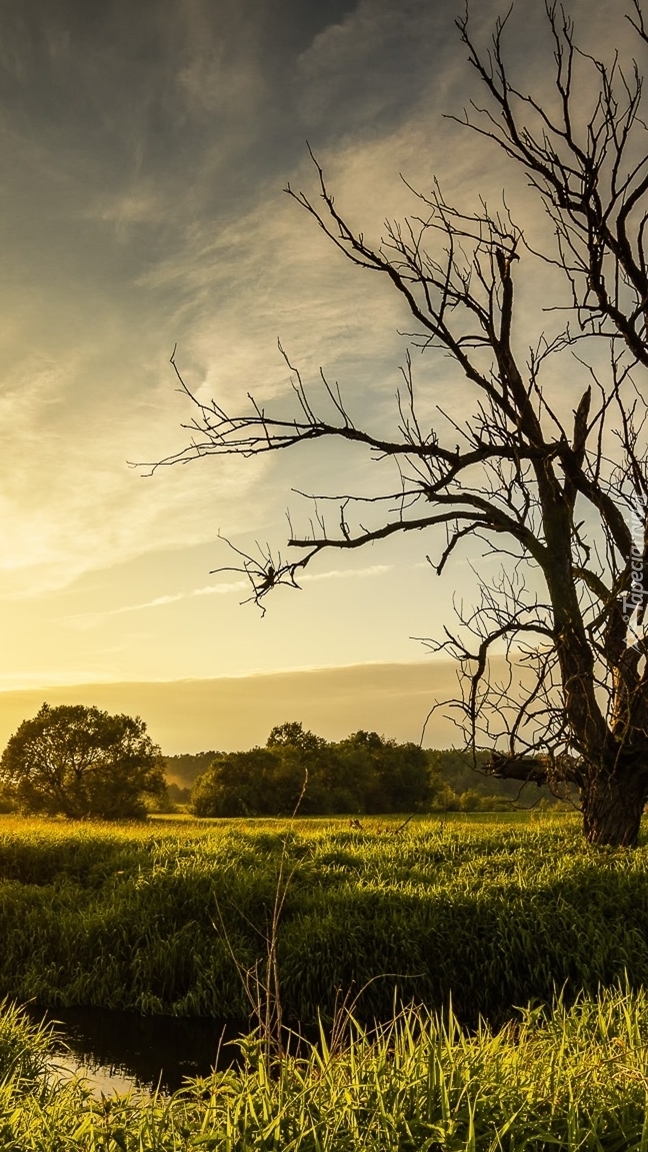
<point x="493" y="910"/>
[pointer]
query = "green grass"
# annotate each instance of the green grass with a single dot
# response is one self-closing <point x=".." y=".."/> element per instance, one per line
<point x="573" y="1079"/>
<point x="493" y="910"/>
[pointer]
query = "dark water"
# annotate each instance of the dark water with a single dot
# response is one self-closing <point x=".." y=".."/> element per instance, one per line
<point x="116" y="1051"/>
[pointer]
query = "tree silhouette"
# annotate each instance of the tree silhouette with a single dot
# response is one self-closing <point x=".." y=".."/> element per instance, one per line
<point x="563" y="500"/>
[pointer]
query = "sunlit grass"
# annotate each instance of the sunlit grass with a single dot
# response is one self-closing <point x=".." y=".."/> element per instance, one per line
<point x="488" y="910"/>
<point x="574" y="1078"/>
<point x="493" y="911"/>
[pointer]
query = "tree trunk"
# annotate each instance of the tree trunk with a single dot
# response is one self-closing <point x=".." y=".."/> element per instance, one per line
<point x="612" y="808"/>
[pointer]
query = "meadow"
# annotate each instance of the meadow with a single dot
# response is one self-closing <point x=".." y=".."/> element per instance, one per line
<point x="491" y="910"/>
<point x="499" y="962"/>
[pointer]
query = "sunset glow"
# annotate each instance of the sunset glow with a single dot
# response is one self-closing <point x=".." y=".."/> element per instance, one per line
<point x="145" y="149"/>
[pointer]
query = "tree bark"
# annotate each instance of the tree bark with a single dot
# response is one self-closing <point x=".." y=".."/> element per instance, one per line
<point x="612" y="808"/>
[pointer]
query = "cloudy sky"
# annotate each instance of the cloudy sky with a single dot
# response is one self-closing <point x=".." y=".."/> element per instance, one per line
<point x="145" y="148"/>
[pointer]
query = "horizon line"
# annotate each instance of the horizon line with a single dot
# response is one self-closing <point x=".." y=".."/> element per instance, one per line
<point x="299" y="669"/>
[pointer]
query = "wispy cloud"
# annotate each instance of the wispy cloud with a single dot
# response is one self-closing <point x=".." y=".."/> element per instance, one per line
<point x="84" y="620"/>
<point x="347" y="573"/>
<point x="143" y="165"/>
<point x="89" y="619"/>
<point x="222" y="273"/>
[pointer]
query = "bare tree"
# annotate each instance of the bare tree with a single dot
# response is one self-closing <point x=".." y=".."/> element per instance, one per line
<point x="563" y="501"/>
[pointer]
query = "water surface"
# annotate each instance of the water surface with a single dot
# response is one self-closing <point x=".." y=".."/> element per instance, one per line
<point x="117" y="1051"/>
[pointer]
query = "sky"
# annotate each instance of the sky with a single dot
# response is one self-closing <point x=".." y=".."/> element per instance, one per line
<point x="145" y="151"/>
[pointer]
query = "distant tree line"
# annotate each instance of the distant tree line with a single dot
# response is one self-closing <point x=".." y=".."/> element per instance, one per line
<point x="362" y="775"/>
<point x="79" y="762"/>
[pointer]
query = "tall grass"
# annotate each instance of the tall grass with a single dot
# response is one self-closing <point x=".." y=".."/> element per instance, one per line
<point x="574" y="1078"/>
<point x="492" y="912"/>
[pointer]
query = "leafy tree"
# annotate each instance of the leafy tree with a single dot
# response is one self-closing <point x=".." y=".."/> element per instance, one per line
<point x="292" y="734"/>
<point x="81" y="762"/>
<point x="385" y="776"/>
<point x="552" y="476"/>
<point x="264" y="781"/>
<point x="362" y="774"/>
<point x="238" y="784"/>
<point x="301" y="769"/>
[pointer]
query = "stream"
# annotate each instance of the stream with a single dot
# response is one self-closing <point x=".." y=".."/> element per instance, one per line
<point x="119" y="1051"/>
